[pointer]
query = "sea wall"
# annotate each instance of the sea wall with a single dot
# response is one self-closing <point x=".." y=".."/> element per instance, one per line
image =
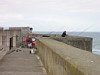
<point x="84" y="43"/>
<point x="62" y="59"/>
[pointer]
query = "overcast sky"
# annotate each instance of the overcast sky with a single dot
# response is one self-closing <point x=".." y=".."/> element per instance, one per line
<point x="51" y="15"/>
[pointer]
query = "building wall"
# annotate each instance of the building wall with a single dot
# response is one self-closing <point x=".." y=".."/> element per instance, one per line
<point x="16" y="33"/>
<point x="1" y="39"/>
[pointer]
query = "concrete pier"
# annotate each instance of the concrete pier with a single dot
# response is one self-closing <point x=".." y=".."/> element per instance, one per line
<point x="70" y="55"/>
<point x="62" y="59"/>
<point x="21" y="63"/>
<point x="84" y="43"/>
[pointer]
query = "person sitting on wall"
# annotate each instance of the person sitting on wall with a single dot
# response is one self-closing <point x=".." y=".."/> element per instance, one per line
<point x="63" y="34"/>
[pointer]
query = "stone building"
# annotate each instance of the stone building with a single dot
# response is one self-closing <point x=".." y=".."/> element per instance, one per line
<point x="13" y="36"/>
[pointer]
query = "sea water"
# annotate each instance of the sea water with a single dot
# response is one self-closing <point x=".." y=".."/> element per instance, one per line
<point x="94" y="35"/>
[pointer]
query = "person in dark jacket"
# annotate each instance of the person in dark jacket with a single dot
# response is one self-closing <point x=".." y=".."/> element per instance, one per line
<point x="63" y="34"/>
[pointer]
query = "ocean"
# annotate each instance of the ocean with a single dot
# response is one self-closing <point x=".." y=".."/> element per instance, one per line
<point x="94" y="35"/>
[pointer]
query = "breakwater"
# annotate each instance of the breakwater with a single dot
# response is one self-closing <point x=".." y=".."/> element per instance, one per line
<point x="84" y="43"/>
<point x="62" y="59"/>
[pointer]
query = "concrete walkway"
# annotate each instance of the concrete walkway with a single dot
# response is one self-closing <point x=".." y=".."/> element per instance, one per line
<point x="21" y="63"/>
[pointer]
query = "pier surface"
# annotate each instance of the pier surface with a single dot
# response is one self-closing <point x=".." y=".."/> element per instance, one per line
<point x="21" y="63"/>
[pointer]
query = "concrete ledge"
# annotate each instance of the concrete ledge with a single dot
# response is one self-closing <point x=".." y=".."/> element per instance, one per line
<point x="84" y="43"/>
<point x="3" y="53"/>
<point x="62" y="59"/>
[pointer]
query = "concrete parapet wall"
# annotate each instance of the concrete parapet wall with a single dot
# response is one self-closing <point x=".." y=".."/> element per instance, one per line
<point x="1" y="28"/>
<point x="3" y="52"/>
<point x="84" y="43"/>
<point x="18" y="28"/>
<point x="62" y="59"/>
<point x="41" y="35"/>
